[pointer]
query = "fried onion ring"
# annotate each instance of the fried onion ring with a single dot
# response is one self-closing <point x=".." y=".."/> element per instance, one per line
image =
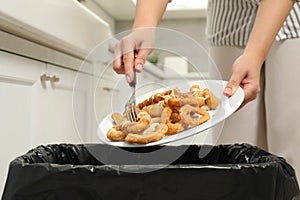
<point x="154" y="110"/>
<point x="143" y="122"/>
<point x="173" y="127"/>
<point x="152" y="134"/>
<point x="116" y="134"/>
<point x="118" y="118"/>
<point x="210" y="99"/>
<point x="188" y="115"/>
<point x="154" y="99"/>
<point x="195" y="89"/>
<point x="178" y="102"/>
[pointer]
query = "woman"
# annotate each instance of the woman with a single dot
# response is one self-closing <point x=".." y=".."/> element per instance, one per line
<point x="269" y="120"/>
<point x="243" y="39"/>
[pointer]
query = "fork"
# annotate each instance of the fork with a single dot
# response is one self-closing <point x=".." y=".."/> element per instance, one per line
<point x="130" y="106"/>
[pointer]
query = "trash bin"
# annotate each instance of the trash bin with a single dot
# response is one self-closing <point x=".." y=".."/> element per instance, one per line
<point x="227" y="172"/>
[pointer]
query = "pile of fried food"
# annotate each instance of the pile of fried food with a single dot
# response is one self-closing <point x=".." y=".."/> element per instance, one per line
<point x="164" y="114"/>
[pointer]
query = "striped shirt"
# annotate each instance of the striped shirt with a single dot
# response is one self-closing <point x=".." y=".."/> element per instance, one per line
<point x="229" y="22"/>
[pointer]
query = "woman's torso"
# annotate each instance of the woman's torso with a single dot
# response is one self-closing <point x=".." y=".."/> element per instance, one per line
<point x="229" y="22"/>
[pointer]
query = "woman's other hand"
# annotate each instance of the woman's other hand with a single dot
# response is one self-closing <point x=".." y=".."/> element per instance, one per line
<point x="245" y="73"/>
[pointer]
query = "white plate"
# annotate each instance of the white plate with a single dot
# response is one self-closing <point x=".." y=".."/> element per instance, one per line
<point x="226" y="108"/>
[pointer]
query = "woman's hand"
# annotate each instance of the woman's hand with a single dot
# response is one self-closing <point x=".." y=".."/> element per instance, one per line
<point x="246" y="69"/>
<point x="131" y="52"/>
<point x="245" y="73"/>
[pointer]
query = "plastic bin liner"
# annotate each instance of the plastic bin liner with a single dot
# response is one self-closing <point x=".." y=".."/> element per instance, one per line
<point x="227" y="172"/>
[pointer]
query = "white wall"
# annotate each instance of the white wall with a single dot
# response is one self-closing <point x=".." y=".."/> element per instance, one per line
<point x="195" y="27"/>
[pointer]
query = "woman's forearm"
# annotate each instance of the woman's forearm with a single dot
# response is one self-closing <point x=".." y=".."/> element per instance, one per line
<point x="149" y="12"/>
<point x="270" y="16"/>
<point x="246" y="68"/>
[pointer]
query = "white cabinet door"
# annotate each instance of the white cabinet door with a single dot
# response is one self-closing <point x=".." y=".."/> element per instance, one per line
<point x="53" y="114"/>
<point x="34" y="112"/>
<point x="105" y="92"/>
<point x="19" y="79"/>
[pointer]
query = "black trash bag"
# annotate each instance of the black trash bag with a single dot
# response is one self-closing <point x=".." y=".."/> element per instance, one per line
<point x="227" y="172"/>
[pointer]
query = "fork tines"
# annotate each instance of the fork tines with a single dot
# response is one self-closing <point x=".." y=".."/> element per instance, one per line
<point x="131" y="112"/>
<point x="130" y="107"/>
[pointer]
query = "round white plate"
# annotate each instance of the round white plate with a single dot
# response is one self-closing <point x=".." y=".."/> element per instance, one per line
<point x="227" y="107"/>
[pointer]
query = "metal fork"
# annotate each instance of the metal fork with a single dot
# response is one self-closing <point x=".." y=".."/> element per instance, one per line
<point x="130" y="107"/>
